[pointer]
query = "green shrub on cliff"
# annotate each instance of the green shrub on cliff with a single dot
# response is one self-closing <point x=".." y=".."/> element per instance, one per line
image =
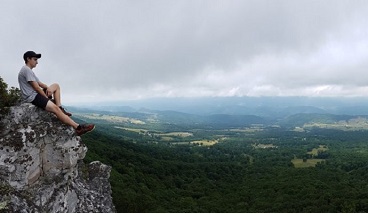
<point x="7" y="97"/>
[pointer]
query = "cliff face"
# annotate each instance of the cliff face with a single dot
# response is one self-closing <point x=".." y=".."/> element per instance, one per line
<point x="41" y="167"/>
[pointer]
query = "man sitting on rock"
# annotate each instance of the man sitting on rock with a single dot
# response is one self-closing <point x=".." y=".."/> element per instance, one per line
<point x="39" y="94"/>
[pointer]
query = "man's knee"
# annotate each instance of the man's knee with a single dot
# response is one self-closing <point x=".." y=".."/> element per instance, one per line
<point x="55" y="86"/>
<point x="51" y="107"/>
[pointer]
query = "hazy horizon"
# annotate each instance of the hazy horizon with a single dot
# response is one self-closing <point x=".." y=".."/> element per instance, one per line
<point x="239" y="105"/>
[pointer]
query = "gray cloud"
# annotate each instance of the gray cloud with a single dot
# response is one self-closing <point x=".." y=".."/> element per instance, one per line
<point x="108" y="50"/>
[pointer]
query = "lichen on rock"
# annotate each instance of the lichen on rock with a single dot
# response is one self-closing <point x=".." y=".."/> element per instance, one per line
<point x="40" y="161"/>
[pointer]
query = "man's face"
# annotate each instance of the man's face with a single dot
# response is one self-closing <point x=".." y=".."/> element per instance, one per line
<point x="32" y="62"/>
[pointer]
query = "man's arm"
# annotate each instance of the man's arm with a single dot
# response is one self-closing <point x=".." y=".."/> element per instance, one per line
<point x="35" y="85"/>
<point x="42" y="85"/>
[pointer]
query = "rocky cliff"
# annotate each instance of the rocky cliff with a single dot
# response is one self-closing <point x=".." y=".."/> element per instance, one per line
<point x="42" y="169"/>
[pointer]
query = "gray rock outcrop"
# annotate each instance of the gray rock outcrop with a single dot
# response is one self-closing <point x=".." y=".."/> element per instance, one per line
<point x="42" y="168"/>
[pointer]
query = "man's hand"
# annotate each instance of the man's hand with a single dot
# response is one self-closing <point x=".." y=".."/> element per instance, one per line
<point x="48" y="92"/>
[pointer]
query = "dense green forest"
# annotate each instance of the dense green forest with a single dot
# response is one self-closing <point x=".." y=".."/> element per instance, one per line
<point x="234" y="175"/>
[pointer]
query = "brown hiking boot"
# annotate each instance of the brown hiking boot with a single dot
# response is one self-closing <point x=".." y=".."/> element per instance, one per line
<point x="65" y="112"/>
<point x="84" y="128"/>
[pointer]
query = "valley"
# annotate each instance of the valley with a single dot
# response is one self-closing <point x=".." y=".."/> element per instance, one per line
<point x="180" y="162"/>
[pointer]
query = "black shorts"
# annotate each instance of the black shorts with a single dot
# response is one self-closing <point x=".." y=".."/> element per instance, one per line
<point x="40" y="101"/>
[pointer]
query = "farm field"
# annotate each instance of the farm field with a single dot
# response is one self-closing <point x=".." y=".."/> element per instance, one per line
<point x="300" y="163"/>
<point x="109" y="118"/>
<point x="355" y="124"/>
<point x="172" y="136"/>
<point x="315" y="151"/>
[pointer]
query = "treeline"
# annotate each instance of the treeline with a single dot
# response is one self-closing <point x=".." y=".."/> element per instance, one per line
<point x="234" y="176"/>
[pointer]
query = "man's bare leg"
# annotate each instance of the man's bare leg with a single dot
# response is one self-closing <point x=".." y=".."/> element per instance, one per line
<point x="55" y="90"/>
<point x="79" y="129"/>
<point x="51" y="107"/>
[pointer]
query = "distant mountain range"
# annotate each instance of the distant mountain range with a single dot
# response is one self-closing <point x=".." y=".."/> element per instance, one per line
<point x="237" y="112"/>
<point x="269" y="107"/>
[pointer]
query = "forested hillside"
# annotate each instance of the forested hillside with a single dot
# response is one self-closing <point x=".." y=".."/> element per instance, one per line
<point x="240" y="174"/>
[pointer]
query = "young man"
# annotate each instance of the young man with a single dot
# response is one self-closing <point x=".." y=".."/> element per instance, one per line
<point x="39" y="94"/>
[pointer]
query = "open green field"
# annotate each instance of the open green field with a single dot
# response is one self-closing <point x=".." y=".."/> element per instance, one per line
<point x="299" y="163"/>
<point x="198" y="142"/>
<point x="109" y="118"/>
<point x="205" y="142"/>
<point x="132" y="129"/>
<point x="359" y="123"/>
<point x="263" y="146"/>
<point x="177" y="134"/>
<point x="172" y="135"/>
<point x="249" y="130"/>
<point x="169" y="134"/>
<point x="315" y="151"/>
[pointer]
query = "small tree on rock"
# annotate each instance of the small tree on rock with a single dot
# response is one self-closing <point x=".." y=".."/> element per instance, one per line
<point x="7" y="97"/>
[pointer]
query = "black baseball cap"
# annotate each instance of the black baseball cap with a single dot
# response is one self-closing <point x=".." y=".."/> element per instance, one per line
<point x="30" y="54"/>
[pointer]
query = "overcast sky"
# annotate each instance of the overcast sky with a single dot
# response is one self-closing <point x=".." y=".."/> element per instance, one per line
<point x="116" y="50"/>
